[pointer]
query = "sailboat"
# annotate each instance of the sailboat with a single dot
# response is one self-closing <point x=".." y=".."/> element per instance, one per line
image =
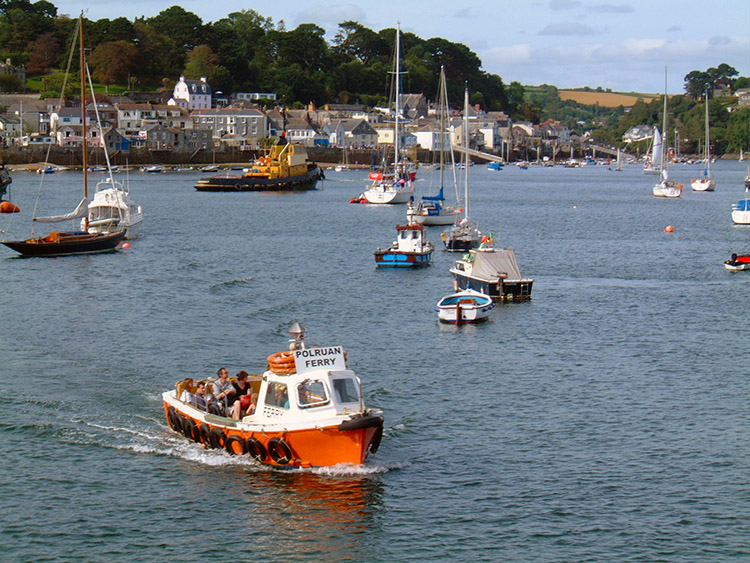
<point x="463" y="235"/>
<point x="431" y="210"/>
<point x="61" y="243"/>
<point x="619" y="161"/>
<point x="705" y="183"/>
<point x="665" y="187"/>
<point x="653" y="166"/>
<point x="394" y="184"/>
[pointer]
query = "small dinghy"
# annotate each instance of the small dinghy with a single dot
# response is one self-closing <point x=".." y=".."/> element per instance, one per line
<point x="466" y="306"/>
<point x="738" y="263"/>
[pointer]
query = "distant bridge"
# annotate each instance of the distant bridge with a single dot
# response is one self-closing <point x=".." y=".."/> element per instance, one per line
<point x="479" y="154"/>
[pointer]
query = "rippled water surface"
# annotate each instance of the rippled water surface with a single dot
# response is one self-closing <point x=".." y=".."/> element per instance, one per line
<point x="606" y="419"/>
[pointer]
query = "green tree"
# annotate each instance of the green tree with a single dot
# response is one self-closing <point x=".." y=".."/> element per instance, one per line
<point x="113" y="61"/>
<point x="183" y="28"/>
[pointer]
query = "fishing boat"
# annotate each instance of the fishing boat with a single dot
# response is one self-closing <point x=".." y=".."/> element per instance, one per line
<point x="432" y="210"/>
<point x="466" y="306"/>
<point x="284" y="168"/>
<point x="654" y="163"/>
<point x="496" y="166"/>
<point x="666" y="187"/>
<point x="738" y="263"/>
<point x="112" y="210"/>
<point x="464" y="234"/>
<point x="705" y="183"/>
<point x="309" y="412"/>
<point x="492" y="271"/>
<point x="85" y="241"/>
<point x="394" y="182"/>
<point x="410" y="249"/>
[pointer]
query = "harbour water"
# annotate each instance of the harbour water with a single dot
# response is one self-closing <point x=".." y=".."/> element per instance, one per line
<point x="604" y="420"/>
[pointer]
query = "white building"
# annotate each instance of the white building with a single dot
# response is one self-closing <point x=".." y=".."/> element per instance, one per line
<point x="191" y="94"/>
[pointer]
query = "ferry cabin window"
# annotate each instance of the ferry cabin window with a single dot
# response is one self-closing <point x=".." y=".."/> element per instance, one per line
<point x="346" y="390"/>
<point x="311" y="393"/>
<point x="277" y="395"/>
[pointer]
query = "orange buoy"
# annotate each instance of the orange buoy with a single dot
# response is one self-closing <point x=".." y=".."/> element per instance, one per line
<point x="126" y="245"/>
<point x="669" y="229"/>
<point x="8" y="207"/>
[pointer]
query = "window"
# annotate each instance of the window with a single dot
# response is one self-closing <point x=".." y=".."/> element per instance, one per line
<point x="346" y="390"/>
<point x="311" y="393"/>
<point x="277" y="395"/>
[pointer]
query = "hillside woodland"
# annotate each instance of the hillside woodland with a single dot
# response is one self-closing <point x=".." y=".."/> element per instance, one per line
<point x="246" y="51"/>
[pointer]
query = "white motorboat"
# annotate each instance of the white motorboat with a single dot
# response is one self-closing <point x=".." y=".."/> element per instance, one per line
<point x="466" y="306"/>
<point x="112" y="210"/>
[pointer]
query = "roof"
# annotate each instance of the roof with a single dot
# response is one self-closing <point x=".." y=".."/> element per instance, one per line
<point x="491" y="264"/>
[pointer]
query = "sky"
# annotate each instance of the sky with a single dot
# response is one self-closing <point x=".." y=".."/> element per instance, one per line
<point x="619" y="44"/>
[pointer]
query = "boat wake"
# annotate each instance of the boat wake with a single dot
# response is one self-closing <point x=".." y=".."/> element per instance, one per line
<point x="231" y="283"/>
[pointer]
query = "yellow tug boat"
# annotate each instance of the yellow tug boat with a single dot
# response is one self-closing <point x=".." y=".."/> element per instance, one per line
<point x="309" y="412"/>
<point x="284" y="168"/>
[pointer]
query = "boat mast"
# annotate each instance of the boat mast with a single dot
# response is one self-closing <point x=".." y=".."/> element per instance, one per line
<point x="707" y="148"/>
<point x="664" y="126"/>
<point x="396" y="139"/>
<point x="83" y="121"/>
<point x="442" y="88"/>
<point x="466" y="151"/>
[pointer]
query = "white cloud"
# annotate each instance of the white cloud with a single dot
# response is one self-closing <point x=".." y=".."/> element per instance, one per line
<point x="567" y="28"/>
<point x="331" y="15"/>
<point x="611" y="8"/>
<point x="563" y="4"/>
<point x="510" y="55"/>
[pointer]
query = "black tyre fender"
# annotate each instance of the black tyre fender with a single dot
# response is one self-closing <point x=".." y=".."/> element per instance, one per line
<point x="218" y="438"/>
<point x="191" y="430"/>
<point x="255" y="449"/>
<point x="175" y="420"/>
<point x="279" y="451"/>
<point x="376" y="439"/>
<point x="205" y="433"/>
<point x="229" y="445"/>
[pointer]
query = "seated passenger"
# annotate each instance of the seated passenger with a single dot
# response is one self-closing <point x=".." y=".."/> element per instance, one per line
<point x="200" y="401"/>
<point x="280" y="397"/>
<point x="223" y="393"/>
<point x="186" y="388"/>
<point x="242" y="392"/>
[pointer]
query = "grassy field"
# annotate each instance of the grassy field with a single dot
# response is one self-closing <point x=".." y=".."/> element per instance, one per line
<point x="605" y="99"/>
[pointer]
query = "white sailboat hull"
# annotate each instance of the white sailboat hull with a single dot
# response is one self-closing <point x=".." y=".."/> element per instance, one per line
<point x="447" y="217"/>
<point x="388" y="195"/>
<point x="703" y="185"/>
<point x="741" y="212"/>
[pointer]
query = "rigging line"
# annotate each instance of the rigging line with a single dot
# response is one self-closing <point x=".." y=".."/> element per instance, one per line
<point x="104" y="144"/>
<point x="59" y="107"/>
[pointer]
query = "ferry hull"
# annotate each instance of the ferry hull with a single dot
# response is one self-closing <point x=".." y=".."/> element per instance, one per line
<point x="349" y="441"/>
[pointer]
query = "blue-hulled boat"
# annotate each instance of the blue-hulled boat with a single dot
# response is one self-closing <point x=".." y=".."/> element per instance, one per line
<point x="410" y="249"/>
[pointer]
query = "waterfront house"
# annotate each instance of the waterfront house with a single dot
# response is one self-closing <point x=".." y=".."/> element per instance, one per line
<point x="191" y="94"/>
<point x="233" y="126"/>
